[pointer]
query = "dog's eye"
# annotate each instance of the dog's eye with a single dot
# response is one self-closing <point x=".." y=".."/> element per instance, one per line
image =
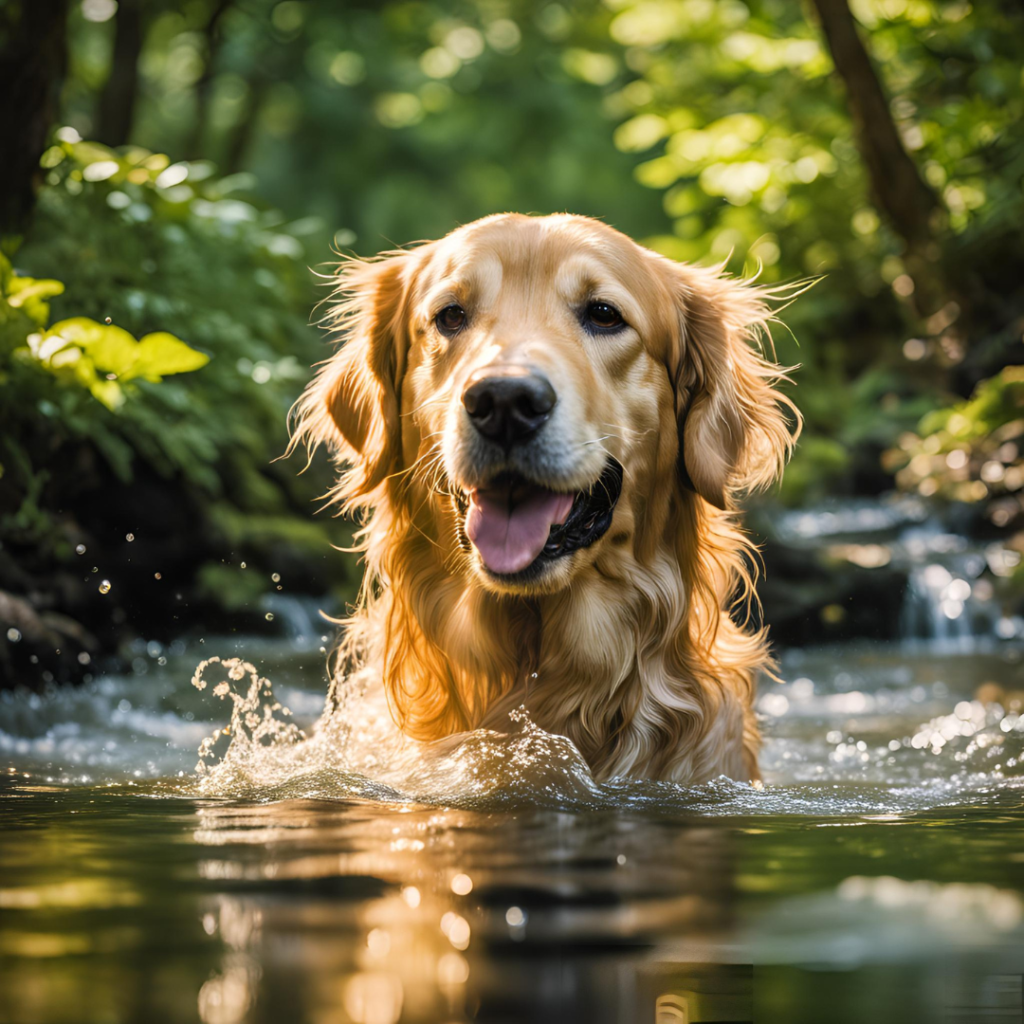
<point x="603" y="316"/>
<point x="450" y="319"/>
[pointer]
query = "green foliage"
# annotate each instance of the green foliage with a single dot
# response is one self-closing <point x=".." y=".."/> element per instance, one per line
<point x="152" y="245"/>
<point x="142" y="245"/>
<point x="971" y="451"/>
<point x="383" y="123"/>
<point x="714" y="131"/>
<point x="44" y="370"/>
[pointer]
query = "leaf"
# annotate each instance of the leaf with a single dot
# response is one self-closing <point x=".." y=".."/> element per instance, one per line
<point x="109" y="392"/>
<point x="30" y="294"/>
<point x="112" y="349"/>
<point x="161" y="354"/>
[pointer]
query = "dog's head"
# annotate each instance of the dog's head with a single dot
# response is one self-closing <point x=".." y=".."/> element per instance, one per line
<point x="541" y="384"/>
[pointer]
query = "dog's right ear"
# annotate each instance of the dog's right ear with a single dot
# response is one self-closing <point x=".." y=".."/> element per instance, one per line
<point x="351" y="405"/>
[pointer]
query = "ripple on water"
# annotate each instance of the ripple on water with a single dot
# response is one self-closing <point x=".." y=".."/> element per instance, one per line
<point x="833" y="754"/>
<point x="864" y="733"/>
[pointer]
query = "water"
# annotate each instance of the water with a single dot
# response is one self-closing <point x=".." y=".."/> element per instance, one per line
<point x="877" y="872"/>
<point x="950" y="599"/>
<point x="330" y="872"/>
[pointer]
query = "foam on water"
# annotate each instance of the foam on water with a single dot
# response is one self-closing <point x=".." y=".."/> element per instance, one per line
<point x="855" y="733"/>
<point x="900" y="752"/>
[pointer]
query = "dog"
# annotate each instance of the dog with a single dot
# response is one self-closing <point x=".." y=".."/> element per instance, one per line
<point x="543" y="428"/>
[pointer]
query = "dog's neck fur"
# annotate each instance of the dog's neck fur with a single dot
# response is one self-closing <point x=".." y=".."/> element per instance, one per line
<point x="651" y="676"/>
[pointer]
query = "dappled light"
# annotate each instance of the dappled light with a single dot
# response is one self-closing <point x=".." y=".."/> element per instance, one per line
<point x="211" y="811"/>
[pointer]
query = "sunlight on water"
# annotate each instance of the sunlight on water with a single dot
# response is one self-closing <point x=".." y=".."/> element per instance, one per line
<point x="883" y="750"/>
<point x="317" y="851"/>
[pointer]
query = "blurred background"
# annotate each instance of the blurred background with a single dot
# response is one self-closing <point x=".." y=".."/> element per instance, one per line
<point x="176" y="175"/>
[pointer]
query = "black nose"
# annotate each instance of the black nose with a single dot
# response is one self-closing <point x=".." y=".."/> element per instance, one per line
<point x="509" y="407"/>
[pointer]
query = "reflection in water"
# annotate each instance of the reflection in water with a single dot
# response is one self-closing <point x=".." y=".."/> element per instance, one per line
<point x="407" y="911"/>
<point x="399" y="912"/>
<point x="328" y="874"/>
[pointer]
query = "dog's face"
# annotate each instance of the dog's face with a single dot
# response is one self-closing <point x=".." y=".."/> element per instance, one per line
<point x="528" y="378"/>
<point x="539" y="366"/>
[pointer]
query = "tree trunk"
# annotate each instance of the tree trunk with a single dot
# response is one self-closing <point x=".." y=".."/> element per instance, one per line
<point x="906" y="199"/>
<point x="214" y="41"/>
<point x="901" y="193"/>
<point x="33" y="58"/>
<point x="117" y="101"/>
<point x="241" y="138"/>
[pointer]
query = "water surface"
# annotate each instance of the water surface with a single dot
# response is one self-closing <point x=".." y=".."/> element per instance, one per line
<point x="877" y="873"/>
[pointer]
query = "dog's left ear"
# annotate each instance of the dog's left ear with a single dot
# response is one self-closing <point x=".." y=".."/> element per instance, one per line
<point x="352" y="403"/>
<point x="736" y="429"/>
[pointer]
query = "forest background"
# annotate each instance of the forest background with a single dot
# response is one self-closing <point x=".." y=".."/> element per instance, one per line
<point x="177" y="175"/>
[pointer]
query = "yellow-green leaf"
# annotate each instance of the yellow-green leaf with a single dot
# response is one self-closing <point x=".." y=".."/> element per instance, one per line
<point x="109" y="392"/>
<point x="112" y="349"/>
<point x="30" y="294"/>
<point x="161" y="354"/>
<point x="100" y="357"/>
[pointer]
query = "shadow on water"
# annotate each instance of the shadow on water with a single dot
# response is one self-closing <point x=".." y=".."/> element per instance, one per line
<point x="344" y="877"/>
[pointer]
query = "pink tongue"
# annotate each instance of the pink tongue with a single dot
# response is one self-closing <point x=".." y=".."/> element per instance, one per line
<point x="509" y="540"/>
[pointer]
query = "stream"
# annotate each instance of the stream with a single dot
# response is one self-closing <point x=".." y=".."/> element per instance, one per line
<point x="877" y="874"/>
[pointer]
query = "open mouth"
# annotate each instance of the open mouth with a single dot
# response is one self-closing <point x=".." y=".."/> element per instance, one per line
<point x="514" y="523"/>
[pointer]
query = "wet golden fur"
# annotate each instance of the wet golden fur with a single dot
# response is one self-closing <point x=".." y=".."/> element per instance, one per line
<point x="636" y="656"/>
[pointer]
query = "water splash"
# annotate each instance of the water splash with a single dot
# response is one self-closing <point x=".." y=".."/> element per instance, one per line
<point x="355" y="750"/>
<point x="908" y="756"/>
<point x="258" y="721"/>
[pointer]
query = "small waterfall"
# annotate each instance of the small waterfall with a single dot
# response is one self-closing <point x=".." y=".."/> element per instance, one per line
<point x="299" y="616"/>
<point x="937" y="609"/>
<point x="952" y="601"/>
<point x="949" y="603"/>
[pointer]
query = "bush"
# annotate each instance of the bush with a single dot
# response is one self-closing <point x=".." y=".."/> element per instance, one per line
<point x="970" y="451"/>
<point x="107" y="444"/>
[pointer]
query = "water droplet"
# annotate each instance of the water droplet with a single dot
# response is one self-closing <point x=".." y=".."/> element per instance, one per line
<point x="269" y="616"/>
<point x="104" y="587"/>
<point x="276" y="577"/>
<point x="107" y="320"/>
<point x="84" y="658"/>
<point x="79" y="549"/>
<point x="462" y="885"/>
<point x="129" y="537"/>
<point x="515" y="917"/>
<point x="13" y="635"/>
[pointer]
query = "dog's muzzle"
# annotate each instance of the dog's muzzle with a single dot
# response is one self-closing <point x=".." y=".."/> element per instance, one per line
<point x="509" y="406"/>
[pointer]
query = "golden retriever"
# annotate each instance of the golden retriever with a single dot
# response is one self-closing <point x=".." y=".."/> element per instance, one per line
<point x="544" y="427"/>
